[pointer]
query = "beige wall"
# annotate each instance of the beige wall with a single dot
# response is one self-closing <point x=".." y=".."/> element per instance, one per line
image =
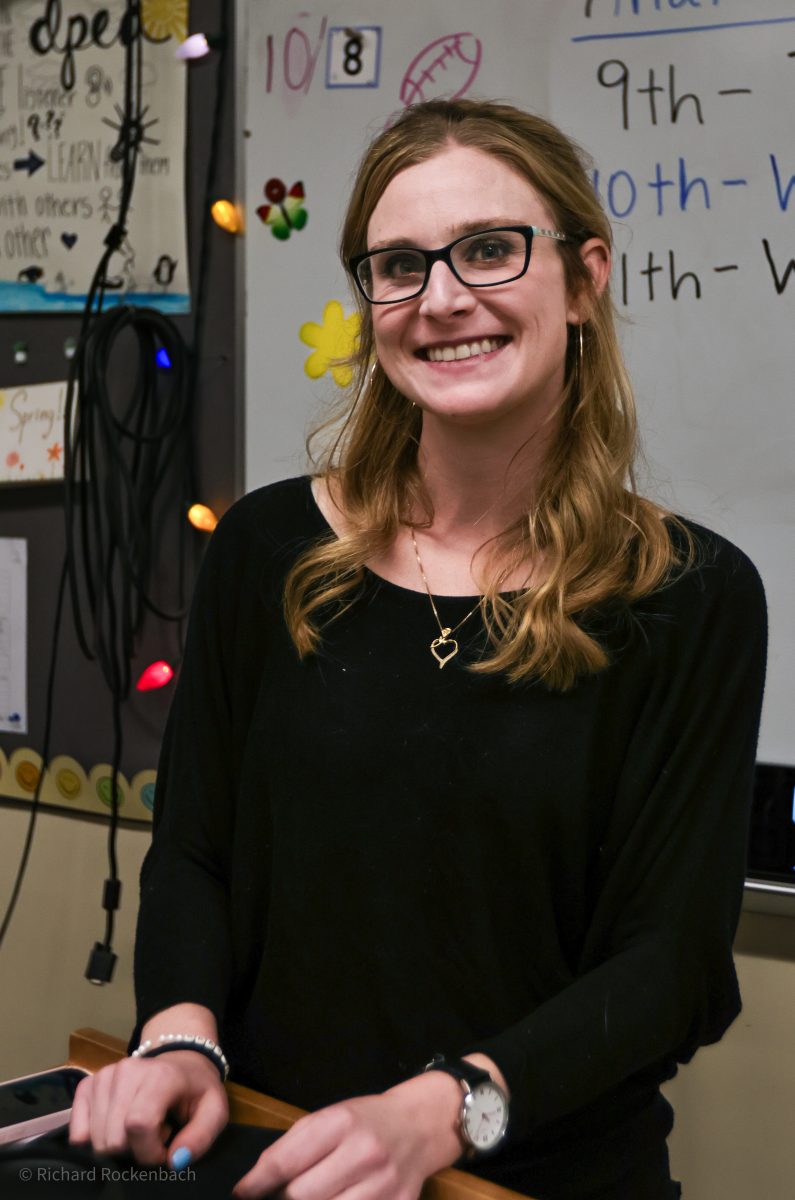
<point x="734" y="1102"/>
<point x="43" y="991"/>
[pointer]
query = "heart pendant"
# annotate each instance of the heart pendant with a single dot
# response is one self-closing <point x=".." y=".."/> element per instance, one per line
<point x="443" y="659"/>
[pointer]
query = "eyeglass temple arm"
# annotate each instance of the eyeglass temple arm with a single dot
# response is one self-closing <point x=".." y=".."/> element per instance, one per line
<point x="550" y="233"/>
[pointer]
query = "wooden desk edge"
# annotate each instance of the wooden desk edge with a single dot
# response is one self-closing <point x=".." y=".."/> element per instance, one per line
<point x="92" y="1049"/>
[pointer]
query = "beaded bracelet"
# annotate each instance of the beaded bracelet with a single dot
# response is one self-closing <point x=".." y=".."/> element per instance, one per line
<point x="186" y="1041"/>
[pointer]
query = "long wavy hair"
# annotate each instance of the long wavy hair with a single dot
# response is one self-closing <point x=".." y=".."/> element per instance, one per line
<point x="595" y="536"/>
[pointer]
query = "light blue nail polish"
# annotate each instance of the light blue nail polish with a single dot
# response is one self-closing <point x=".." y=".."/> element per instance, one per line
<point x="181" y="1158"/>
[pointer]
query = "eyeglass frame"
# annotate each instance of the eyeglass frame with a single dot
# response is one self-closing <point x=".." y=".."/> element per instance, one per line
<point x="445" y="255"/>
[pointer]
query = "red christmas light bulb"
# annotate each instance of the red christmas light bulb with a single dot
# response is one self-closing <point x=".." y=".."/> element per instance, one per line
<point x="156" y="675"/>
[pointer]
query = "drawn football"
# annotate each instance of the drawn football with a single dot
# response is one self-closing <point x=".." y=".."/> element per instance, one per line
<point x="447" y="67"/>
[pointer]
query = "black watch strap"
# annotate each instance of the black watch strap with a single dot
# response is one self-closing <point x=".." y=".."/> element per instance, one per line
<point x="464" y="1072"/>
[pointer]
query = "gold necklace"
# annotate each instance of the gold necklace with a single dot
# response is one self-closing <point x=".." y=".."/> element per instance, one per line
<point x="445" y="642"/>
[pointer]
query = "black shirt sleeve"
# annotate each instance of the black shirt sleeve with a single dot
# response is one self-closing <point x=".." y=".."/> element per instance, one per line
<point x="184" y="943"/>
<point x="656" y="977"/>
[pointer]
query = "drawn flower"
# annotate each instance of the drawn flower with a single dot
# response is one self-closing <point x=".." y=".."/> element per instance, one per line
<point x="163" y="19"/>
<point x="334" y="340"/>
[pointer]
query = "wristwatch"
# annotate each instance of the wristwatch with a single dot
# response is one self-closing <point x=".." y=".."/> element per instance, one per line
<point x="484" y="1111"/>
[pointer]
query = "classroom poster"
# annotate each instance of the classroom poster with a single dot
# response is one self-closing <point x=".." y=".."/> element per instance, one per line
<point x="62" y="126"/>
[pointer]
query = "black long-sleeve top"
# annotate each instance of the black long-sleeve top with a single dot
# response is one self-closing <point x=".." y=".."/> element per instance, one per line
<point x="360" y="859"/>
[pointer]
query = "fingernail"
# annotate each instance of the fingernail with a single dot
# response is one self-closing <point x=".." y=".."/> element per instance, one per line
<point x="181" y="1158"/>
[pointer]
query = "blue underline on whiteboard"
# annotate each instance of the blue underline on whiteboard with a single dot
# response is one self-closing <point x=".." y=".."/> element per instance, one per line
<point x="639" y="33"/>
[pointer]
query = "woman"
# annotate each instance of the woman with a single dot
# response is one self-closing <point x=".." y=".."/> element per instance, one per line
<point x="461" y="755"/>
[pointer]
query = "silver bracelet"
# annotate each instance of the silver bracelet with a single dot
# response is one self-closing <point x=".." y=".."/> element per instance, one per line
<point x="185" y="1041"/>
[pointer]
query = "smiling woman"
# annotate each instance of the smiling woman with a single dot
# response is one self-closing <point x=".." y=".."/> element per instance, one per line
<point x="450" y="819"/>
<point x="516" y="376"/>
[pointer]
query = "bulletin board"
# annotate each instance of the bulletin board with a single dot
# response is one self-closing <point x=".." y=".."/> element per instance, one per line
<point x="32" y="393"/>
<point x="686" y="109"/>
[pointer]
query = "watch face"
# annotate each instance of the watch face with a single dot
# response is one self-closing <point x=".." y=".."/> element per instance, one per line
<point x="485" y="1116"/>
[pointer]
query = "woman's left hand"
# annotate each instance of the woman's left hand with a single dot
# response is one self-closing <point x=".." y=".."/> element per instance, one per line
<point x="380" y="1147"/>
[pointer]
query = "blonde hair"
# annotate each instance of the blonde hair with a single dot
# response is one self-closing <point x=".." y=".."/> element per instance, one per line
<point x="598" y="539"/>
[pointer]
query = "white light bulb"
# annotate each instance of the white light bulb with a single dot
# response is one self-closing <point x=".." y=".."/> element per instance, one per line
<point x="195" y="46"/>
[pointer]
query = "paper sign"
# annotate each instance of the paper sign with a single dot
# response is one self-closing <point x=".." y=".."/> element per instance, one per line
<point x="13" y="635"/>
<point x="63" y="135"/>
<point x="31" y="432"/>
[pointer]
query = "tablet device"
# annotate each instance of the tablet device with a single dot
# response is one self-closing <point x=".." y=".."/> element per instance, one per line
<point x="37" y="1104"/>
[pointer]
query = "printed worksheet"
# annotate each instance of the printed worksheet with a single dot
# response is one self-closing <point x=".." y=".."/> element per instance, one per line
<point x="13" y="635"/>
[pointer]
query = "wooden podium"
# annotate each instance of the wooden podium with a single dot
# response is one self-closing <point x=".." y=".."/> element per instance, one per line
<point x="91" y="1049"/>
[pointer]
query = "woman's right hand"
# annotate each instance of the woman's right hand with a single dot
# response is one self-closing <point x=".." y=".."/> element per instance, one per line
<point x="133" y="1106"/>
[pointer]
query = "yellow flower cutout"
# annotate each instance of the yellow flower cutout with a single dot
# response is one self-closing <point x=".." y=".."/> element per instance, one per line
<point x="163" y="19"/>
<point x="334" y="340"/>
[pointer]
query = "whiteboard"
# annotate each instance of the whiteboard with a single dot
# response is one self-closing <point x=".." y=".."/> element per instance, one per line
<point x="686" y="107"/>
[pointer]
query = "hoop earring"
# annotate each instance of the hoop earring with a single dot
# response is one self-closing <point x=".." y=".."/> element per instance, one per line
<point x="581" y="354"/>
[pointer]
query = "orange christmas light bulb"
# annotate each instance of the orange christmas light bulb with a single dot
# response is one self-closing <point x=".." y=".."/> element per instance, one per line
<point x="202" y="517"/>
<point x="228" y="216"/>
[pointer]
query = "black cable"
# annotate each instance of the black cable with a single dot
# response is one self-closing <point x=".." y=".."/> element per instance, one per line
<point x="129" y="448"/>
<point x="103" y="527"/>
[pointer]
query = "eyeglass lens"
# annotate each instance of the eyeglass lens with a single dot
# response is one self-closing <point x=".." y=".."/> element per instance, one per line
<point x="496" y="256"/>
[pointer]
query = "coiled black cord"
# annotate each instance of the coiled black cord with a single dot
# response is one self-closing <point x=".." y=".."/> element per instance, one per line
<point x="126" y="464"/>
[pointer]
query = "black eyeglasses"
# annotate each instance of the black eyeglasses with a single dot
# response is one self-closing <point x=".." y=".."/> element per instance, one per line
<point x="482" y="259"/>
